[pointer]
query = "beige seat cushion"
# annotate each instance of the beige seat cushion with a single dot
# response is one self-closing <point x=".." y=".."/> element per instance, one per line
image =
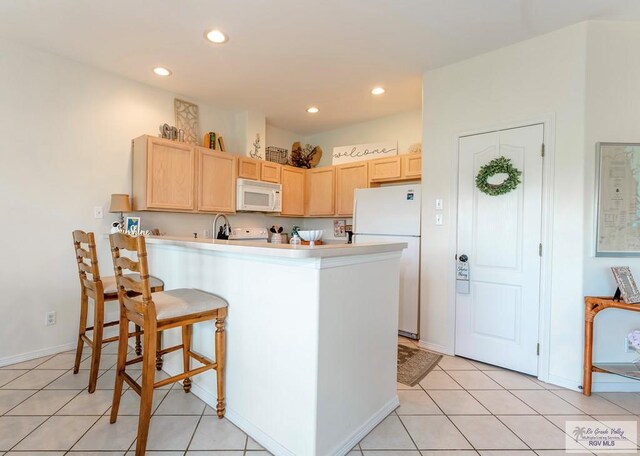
<point x="184" y="301"/>
<point x="109" y="283"/>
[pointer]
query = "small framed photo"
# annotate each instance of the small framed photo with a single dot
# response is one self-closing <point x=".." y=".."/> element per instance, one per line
<point x="339" y="228"/>
<point x="133" y="224"/>
<point x="626" y="284"/>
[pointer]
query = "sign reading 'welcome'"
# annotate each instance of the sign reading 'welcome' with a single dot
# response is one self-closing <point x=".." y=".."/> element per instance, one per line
<point x="346" y="154"/>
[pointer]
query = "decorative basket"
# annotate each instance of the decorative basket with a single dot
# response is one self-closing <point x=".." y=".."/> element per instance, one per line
<point x="277" y="155"/>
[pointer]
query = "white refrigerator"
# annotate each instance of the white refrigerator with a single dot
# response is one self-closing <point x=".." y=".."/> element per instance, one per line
<point x="392" y="214"/>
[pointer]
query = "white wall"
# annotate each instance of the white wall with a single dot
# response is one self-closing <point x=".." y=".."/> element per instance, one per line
<point x="405" y="127"/>
<point x="65" y="139"/>
<point x="613" y="115"/>
<point x="542" y="77"/>
<point x="279" y="137"/>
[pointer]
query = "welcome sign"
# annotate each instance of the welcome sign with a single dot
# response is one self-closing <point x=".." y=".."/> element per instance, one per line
<point x="346" y="154"/>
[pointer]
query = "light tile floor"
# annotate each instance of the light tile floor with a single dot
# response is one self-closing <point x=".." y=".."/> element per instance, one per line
<point x="461" y="408"/>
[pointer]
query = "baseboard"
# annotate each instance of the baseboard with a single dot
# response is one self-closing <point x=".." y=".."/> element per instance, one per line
<point x="435" y="347"/>
<point x="274" y="447"/>
<point x="36" y="354"/>
<point x="211" y="398"/>
<point x="367" y="427"/>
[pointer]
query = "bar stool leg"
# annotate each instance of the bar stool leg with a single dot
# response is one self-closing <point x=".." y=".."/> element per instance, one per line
<point x="186" y="359"/>
<point x="84" y="304"/>
<point x="158" y="355"/>
<point x="146" y="393"/>
<point x="123" y="341"/>
<point x="220" y="360"/>
<point x="98" y="328"/>
<point x="138" y="344"/>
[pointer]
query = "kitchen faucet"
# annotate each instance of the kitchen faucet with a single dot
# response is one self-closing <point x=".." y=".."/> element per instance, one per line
<point x="225" y="230"/>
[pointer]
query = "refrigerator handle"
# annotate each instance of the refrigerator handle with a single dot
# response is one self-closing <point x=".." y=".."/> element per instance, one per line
<point x="353" y="222"/>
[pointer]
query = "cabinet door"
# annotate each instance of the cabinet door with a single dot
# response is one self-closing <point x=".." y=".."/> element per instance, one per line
<point x="293" y="180"/>
<point x="349" y="177"/>
<point x="216" y="181"/>
<point x="248" y="168"/>
<point x="270" y="172"/>
<point x="170" y="175"/>
<point x="320" y="191"/>
<point x="411" y="166"/>
<point x="384" y="169"/>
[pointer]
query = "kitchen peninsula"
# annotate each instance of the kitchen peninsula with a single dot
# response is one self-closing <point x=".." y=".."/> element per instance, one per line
<point x="311" y="336"/>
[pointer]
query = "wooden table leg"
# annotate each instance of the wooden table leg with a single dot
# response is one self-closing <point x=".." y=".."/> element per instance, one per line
<point x="588" y="349"/>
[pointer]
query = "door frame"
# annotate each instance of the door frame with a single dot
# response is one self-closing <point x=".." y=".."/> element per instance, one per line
<point x="546" y="234"/>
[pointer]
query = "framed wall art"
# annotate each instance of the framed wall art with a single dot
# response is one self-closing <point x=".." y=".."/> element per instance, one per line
<point x="618" y="200"/>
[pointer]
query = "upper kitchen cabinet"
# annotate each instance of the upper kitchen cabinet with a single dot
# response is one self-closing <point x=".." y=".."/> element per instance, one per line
<point x="270" y="172"/>
<point x="349" y="177"/>
<point x="216" y="181"/>
<point x="411" y="166"/>
<point x="293" y="188"/>
<point x="163" y="175"/>
<point x="320" y="191"/>
<point x="249" y="168"/>
<point x="398" y="168"/>
<point x="385" y="169"/>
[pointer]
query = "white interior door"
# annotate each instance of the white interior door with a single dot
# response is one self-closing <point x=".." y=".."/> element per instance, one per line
<point x="497" y="309"/>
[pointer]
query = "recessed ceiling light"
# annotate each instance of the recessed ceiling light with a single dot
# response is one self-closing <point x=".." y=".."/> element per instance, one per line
<point x="160" y="71"/>
<point x="216" y="36"/>
<point x="377" y="91"/>
<point x="312" y="110"/>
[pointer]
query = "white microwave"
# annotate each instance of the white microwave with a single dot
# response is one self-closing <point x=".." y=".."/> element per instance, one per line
<point x="258" y="196"/>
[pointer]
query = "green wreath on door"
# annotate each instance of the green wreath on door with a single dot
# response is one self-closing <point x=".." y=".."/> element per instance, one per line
<point x="500" y="165"/>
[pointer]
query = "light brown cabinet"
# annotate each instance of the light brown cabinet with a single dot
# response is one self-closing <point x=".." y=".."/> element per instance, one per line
<point x="385" y="169"/>
<point x="349" y="177"/>
<point x="293" y="189"/>
<point x="411" y="166"/>
<point x="216" y="181"/>
<point x="398" y="168"/>
<point x="270" y="172"/>
<point x="163" y="175"/>
<point x="320" y="191"/>
<point x="249" y="168"/>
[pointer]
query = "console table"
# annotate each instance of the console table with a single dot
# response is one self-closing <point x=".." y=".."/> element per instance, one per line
<point x="593" y="305"/>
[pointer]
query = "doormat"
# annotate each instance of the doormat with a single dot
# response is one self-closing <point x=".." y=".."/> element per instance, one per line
<point x="414" y="364"/>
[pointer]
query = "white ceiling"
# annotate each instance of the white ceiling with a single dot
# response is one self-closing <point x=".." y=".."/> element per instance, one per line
<point x="285" y="55"/>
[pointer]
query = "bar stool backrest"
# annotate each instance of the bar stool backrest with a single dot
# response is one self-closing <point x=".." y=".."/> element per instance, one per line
<point x="87" y="259"/>
<point x="128" y="286"/>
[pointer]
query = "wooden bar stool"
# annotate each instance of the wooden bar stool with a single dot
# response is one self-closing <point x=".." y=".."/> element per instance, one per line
<point x="156" y="312"/>
<point x="100" y="290"/>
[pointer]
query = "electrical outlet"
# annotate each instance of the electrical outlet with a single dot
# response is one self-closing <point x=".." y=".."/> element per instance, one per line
<point x="627" y="345"/>
<point x="97" y="212"/>
<point x="50" y="318"/>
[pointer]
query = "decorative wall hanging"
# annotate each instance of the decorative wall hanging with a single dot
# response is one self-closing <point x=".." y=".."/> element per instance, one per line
<point x="618" y="206"/>
<point x="500" y="165"/>
<point x="188" y="120"/>
<point x="346" y="154"/>
<point x="256" y="153"/>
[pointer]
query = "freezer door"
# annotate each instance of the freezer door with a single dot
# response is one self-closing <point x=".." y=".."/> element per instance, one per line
<point x="388" y="210"/>
<point x="409" y="280"/>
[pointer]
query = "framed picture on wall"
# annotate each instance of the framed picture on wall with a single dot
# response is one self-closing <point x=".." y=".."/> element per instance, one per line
<point x="618" y="200"/>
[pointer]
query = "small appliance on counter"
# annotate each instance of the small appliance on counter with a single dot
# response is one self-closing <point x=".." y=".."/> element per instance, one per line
<point x="249" y="234"/>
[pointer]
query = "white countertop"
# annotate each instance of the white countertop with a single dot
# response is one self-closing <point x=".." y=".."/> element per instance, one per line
<point x="278" y="250"/>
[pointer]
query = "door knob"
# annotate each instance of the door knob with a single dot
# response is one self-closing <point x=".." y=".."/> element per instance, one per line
<point x="463" y="258"/>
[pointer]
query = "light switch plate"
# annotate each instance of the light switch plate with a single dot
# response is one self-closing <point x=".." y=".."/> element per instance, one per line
<point x="97" y="212"/>
<point x="438" y="219"/>
<point x="439" y="204"/>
